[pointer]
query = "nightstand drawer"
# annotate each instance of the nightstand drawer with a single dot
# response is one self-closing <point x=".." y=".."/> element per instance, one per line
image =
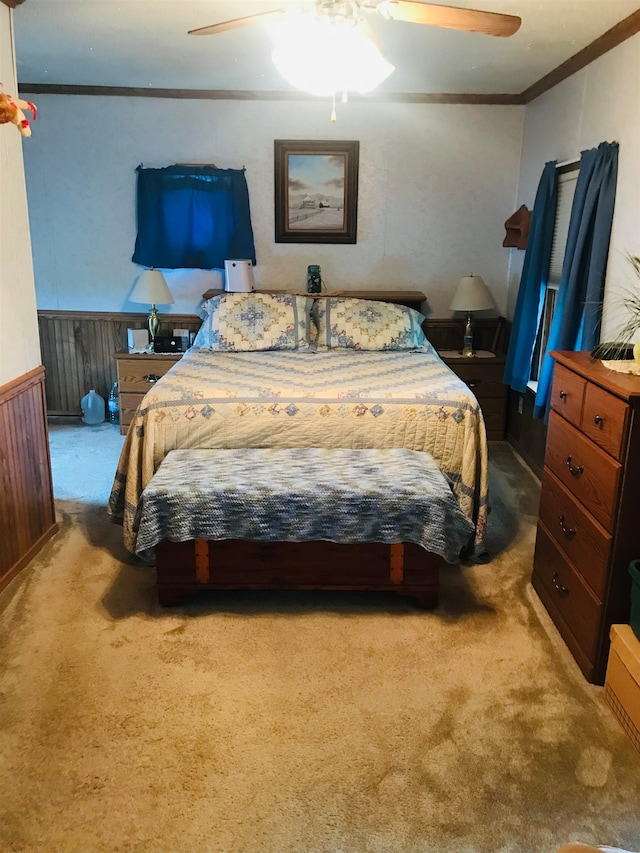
<point x="493" y="412"/>
<point x="128" y="406"/>
<point x="563" y="590"/>
<point x="590" y="474"/>
<point x="485" y="380"/>
<point x="139" y="374"/>
<point x="585" y="542"/>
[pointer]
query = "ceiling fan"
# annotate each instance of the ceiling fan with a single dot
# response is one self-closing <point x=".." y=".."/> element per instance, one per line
<point x="410" y="11"/>
<point x="340" y="33"/>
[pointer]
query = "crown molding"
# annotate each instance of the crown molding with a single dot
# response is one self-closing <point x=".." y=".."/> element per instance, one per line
<point x="612" y="38"/>
<point x="248" y="95"/>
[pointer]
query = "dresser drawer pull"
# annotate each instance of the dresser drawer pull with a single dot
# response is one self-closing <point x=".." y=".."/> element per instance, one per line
<point x="569" y="532"/>
<point x="563" y="396"/>
<point x="151" y="377"/>
<point x="562" y="589"/>
<point x="598" y="421"/>
<point x="575" y="471"/>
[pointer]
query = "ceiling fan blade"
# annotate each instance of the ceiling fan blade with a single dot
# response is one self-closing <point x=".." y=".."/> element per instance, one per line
<point x="451" y="17"/>
<point x="233" y="24"/>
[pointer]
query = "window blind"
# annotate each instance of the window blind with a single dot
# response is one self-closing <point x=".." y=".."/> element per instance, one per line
<point x="566" y="189"/>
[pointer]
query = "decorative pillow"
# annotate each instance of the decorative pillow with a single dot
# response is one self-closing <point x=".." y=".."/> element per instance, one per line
<point x="243" y="322"/>
<point x="367" y="325"/>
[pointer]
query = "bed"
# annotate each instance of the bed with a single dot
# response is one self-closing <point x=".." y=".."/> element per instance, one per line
<point x="338" y="373"/>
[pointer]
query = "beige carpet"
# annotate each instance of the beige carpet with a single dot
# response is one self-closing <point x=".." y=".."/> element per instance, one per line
<point x="295" y="722"/>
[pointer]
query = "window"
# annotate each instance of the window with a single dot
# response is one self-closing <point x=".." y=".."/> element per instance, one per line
<point x="567" y="179"/>
<point x="192" y="217"/>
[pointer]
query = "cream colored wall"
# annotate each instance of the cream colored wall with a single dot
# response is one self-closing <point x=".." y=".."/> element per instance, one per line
<point x="18" y="320"/>
<point x="599" y="103"/>
<point x="436" y="185"/>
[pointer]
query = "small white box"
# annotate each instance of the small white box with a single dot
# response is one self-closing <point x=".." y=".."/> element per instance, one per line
<point x="239" y="276"/>
<point x="137" y="339"/>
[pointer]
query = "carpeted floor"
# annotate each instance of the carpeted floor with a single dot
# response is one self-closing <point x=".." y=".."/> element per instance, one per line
<point x="294" y="722"/>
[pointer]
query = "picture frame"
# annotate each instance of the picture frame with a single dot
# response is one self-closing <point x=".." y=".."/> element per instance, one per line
<point x="316" y="190"/>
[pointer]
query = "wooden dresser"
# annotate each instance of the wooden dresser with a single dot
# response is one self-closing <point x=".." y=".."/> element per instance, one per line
<point x="589" y="524"/>
<point x="137" y="372"/>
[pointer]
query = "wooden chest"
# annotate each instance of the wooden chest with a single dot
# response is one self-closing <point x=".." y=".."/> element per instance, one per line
<point x="589" y="528"/>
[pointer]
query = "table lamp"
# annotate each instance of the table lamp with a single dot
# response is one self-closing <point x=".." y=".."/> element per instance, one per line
<point x="151" y="288"/>
<point x="472" y="294"/>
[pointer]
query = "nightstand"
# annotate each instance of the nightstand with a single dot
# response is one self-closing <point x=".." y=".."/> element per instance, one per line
<point x="137" y="372"/>
<point x="483" y="374"/>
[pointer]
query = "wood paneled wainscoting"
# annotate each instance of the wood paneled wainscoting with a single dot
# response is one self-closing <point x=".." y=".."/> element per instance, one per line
<point x="27" y="513"/>
<point x="491" y="333"/>
<point x="77" y="351"/>
<point x="78" y="347"/>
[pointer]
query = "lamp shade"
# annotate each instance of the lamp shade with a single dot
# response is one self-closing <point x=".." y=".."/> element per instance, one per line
<point x="472" y="294"/>
<point x="151" y="288"/>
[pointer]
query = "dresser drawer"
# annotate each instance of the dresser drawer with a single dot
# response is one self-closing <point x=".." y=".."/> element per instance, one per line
<point x="590" y="474"/>
<point x="567" y="394"/>
<point x="585" y="542"/>
<point x="563" y="590"/>
<point x="604" y="420"/>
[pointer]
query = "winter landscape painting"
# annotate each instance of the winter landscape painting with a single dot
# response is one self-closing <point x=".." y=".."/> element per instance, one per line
<point x="316" y="191"/>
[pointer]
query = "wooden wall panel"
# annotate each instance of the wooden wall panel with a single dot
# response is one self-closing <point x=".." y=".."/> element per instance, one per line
<point x="78" y="347"/>
<point x="489" y="334"/>
<point x="27" y="514"/>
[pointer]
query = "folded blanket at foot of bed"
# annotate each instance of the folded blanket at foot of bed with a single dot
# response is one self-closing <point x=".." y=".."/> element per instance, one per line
<point x="302" y="494"/>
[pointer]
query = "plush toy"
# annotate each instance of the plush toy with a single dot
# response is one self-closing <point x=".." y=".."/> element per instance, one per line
<point x="11" y="111"/>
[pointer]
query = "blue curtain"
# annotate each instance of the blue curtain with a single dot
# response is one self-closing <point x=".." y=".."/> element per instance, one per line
<point x="532" y="282"/>
<point x="192" y="217"/>
<point x="578" y="313"/>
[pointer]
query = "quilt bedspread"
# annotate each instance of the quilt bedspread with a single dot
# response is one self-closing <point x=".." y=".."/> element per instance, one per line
<point x="334" y="399"/>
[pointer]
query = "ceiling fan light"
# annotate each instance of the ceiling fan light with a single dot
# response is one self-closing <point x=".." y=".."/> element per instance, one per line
<point x="321" y="58"/>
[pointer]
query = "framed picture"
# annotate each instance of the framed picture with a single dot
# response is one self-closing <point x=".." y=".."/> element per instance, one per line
<point x="316" y="191"/>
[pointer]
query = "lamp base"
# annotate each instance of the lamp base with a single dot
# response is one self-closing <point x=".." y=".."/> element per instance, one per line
<point x="154" y="322"/>
<point x="467" y="348"/>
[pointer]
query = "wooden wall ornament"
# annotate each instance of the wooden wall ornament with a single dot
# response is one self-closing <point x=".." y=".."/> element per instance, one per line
<point x="13" y="3"/>
<point x="517" y="226"/>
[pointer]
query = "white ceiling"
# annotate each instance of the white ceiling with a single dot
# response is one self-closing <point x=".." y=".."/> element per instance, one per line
<point x="144" y="43"/>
